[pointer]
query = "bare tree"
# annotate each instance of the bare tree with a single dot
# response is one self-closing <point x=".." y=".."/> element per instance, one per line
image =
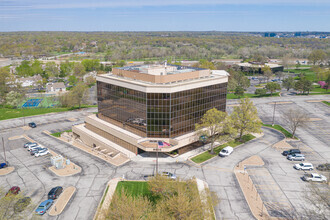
<point x="294" y="118"/>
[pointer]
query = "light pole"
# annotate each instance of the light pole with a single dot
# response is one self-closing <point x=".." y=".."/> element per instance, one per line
<point x="274" y="114"/>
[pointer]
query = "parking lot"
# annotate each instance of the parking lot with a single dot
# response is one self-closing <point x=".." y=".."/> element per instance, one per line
<point x="35" y="179"/>
<point x="30" y="174"/>
<point x="277" y="175"/>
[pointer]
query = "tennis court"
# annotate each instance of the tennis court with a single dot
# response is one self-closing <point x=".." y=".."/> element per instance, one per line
<point x="31" y="103"/>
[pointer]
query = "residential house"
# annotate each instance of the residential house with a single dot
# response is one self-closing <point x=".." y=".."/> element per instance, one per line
<point x="55" y="87"/>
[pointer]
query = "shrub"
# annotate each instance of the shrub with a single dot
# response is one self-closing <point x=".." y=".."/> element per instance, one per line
<point x="260" y="92"/>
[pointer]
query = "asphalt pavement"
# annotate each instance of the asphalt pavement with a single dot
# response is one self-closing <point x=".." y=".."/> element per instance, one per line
<point x="36" y="180"/>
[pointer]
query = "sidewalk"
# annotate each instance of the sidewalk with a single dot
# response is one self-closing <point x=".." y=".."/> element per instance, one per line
<point x="164" y="158"/>
<point x="106" y="198"/>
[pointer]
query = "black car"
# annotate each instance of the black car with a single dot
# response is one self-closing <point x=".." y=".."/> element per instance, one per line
<point x="292" y="151"/>
<point x="21" y="204"/>
<point x="32" y="125"/>
<point x="55" y="192"/>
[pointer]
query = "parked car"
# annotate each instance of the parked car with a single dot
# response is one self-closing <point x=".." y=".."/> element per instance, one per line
<point x="36" y="150"/>
<point x="296" y="157"/>
<point x="148" y="177"/>
<point x="169" y="175"/>
<point x="324" y="167"/>
<point x="29" y="148"/>
<point x="13" y="191"/>
<point x="41" y="152"/>
<point x="314" y="177"/>
<point x="3" y="165"/>
<point x="44" y="206"/>
<point x="32" y="125"/>
<point x="55" y="192"/>
<point x="226" y="151"/>
<point x="304" y="166"/>
<point x="292" y="151"/>
<point x="26" y="145"/>
<point x="21" y="204"/>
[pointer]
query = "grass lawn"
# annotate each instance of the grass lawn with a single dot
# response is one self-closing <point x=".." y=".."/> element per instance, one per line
<point x="136" y="189"/>
<point x="58" y="134"/>
<point x="317" y="90"/>
<point x="234" y="143"/>
<point x="8" y="113"/>
<point x="281" y="129"/>
<point x="325" y="102"/>
<point x="310" y="75"/>
<point x="250" y="95"/>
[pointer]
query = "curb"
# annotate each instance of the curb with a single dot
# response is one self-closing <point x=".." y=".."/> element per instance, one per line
<point x="8" y="170"/>
<point x="106" y="194"/>
<point x="66" y="202"/>
<point x="199" y="164"/>
<point x="282" y="133"/>
<point x="58" y="138"/>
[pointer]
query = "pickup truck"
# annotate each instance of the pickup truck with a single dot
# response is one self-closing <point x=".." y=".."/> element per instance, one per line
<point x="314" y="177"/>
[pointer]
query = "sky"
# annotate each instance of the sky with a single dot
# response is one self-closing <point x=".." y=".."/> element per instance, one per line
<point x="165" y="15"/>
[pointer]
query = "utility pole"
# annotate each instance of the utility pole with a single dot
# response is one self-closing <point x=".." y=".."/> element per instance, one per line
<point x="4" y="150"/>
<point x="274" y="114"/>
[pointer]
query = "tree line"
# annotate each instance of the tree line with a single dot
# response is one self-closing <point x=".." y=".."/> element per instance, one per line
<point x="159" y="45"/>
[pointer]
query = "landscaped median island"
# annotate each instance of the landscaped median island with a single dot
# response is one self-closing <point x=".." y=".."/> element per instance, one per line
<point x="158" y="198"/>
<point x="326" y="102"/>
<point x="250" y="95"/>
<point x="234" y="143"/>
<point x="281" y="129"/>
<point x="58" y="134"/>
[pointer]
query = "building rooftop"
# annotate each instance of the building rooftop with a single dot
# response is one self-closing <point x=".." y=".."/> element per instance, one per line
<point x="271" y="65"/>
<point x="163" y="74"/>
<point x="160" y="69"/>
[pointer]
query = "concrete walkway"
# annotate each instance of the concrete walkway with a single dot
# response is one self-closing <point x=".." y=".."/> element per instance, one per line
<point x="106" y="198"/>
<point x="62" y="201"/>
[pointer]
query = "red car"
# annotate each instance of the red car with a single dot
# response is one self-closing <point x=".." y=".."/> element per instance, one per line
<point x="13" y="191"/>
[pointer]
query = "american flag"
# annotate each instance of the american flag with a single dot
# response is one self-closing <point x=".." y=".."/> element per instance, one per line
<point x="160" y="144"/>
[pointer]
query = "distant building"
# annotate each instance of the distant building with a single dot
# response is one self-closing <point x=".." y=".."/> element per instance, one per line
<point x="257" y="67"/>
<point x="29" y="81"/>
<point x="55" y="87"/>
<point x="142" y="106"/>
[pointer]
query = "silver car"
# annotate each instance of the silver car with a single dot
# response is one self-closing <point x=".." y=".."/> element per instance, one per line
<point x="30" y="144"/>
<point x="296" y="157"/>
<point x="36" y="150"/>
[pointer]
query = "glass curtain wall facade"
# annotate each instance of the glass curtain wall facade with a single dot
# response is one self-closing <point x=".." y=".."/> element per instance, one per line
<point x="188" y="107"/>
<point x="163" y="115"/>
<point x="127" y="107"/>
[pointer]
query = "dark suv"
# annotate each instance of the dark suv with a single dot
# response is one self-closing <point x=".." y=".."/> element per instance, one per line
<point x="292" y="151"/>
<point x="32" y="124"/>
<point x="55" y="192"/>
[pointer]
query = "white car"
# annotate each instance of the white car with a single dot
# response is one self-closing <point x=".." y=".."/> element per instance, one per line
<point x="314" y="177"/>
<point x="31" y="147"/>
<point x="226" y="151"/>
<point x="304" y="166"/>
<point x="169" y="175"/>
<point x="42" y="152"/>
